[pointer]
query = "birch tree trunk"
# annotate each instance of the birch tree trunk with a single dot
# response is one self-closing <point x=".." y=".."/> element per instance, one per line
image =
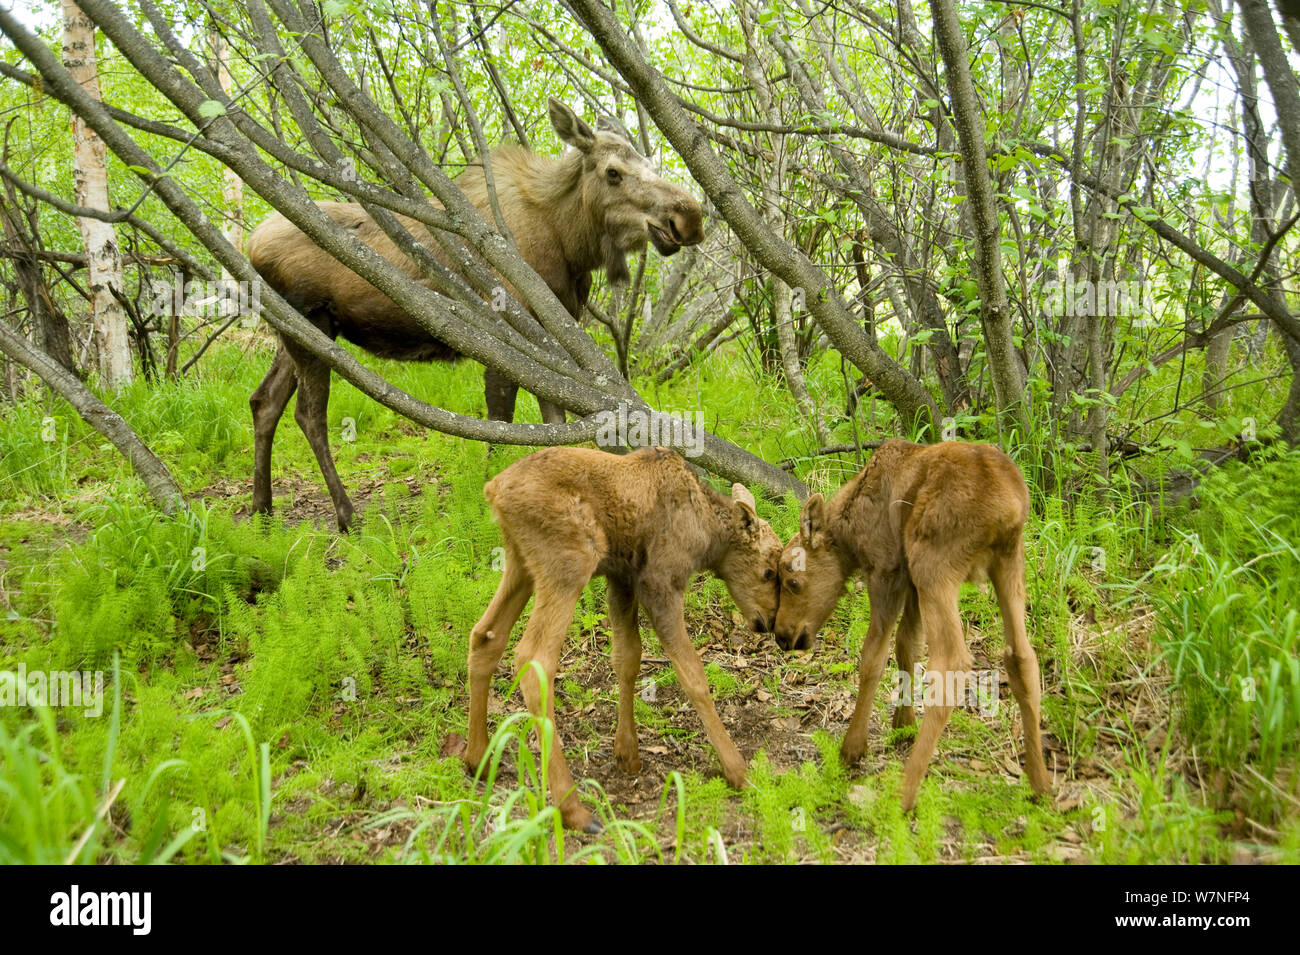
<point x="232" y="190"/>
<point x="90" y="187"/>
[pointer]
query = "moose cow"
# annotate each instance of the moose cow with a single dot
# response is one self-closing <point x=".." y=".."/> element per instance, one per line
<point x="648" y="525"/>
<point x="918" y="521"/>
<point x="571" y="216"/>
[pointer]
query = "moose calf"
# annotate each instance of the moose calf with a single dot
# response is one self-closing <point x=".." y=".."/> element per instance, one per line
<point x="648" y="525"/>
<point x="918" y="521"/>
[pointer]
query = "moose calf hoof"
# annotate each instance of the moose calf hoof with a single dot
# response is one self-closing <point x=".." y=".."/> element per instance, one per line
<point x="630" y="764"/>
<point x="735" y="778"/>
<point x="849" y="755"/>
<point x="471" y="763"/>
<point x="581" y="820"/>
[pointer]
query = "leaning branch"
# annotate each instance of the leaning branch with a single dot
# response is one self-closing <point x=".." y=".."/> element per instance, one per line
<point x="147" y="465"/>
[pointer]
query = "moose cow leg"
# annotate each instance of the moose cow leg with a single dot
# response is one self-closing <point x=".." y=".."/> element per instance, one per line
<point x="948" y="656"/>
<point x="542" y="642"/>
<point x="551" y="414"/>
<point x="311" y="415"/>
<point x="626" y="653"/>
<point x="487" y="642"/>
<point x="666" y="613"/>
<point x="886" y="600"/>
<point x="1008" y="574"/>
<point x="268" y="403"/>
<point x="500" y="392"/>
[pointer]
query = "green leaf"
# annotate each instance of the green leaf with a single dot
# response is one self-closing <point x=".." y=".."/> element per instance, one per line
<point x="210" y="109"/>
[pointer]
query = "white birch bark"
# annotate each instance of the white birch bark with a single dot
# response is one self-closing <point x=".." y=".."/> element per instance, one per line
<point x="90" y="188"/>
<point x="232" y="191"/>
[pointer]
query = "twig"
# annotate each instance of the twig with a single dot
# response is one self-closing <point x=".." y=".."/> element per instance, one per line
<point x="85" y="836"/>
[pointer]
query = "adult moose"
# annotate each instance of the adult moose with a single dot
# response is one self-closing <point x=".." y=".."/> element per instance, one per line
<point x="918" y="521"/>
<point x="586" y="210"/>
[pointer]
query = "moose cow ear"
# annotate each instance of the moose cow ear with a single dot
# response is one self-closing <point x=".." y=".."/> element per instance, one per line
<point x="569" y="126"/>
<point x="812" y="519"/>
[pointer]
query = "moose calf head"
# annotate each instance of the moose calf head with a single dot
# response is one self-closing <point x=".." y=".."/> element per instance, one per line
<point x="813" y="571"/>
<point x="750" y="564"/>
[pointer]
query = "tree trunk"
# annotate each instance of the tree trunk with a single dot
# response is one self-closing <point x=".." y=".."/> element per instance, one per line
<point x="49" y="323"/>
<point x="90" y="186"/>
<point x="1257" y="21"/>
<point x="232" y="191"/>
<point x="1008" y="371"/>
<point x="783" y="297"/>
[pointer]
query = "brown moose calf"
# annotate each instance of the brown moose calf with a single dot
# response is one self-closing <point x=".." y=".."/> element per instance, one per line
<point x="646" y="524"/>
<point x="918" y="521"/>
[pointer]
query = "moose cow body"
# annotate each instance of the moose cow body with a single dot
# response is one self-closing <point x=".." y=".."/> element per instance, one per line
<point x="569" y="217"/>
<point x="918" y="521"/>
<point x="646" y="524"/>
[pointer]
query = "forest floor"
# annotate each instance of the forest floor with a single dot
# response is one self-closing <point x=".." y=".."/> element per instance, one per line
<point x="781" y="704"/>
<point x="344" y="657"/>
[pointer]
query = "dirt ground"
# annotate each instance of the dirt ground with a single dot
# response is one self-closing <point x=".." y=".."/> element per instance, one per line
<point x="781" y="724"/>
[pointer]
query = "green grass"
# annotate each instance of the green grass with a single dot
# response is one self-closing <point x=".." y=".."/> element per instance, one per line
<point x="282" y="693"/>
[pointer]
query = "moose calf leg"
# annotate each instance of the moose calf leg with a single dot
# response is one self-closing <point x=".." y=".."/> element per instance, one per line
<point x="875" y="651"/>
<point x="948" y="656"/>
<point x="626" y="653"/>
<point x="885" y="603"/>
<point x="487" y="642"/>
<point x="666" y="614"/>
<point x="541" y="644"/>
<point x="1022" y="667"/>
<point x="909" y="644"/>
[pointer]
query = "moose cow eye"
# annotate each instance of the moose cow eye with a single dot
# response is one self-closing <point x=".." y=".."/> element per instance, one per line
<point x="793" y="586"/>
<point x="614" y="176"/>
<point x="768" y="574"/>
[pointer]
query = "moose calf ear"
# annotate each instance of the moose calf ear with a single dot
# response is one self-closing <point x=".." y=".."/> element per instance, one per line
<point x="569" y="126"/>
<point x="812" y="519"/>
<point x="741" y="493"/>
<point x="743" y="502"/>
